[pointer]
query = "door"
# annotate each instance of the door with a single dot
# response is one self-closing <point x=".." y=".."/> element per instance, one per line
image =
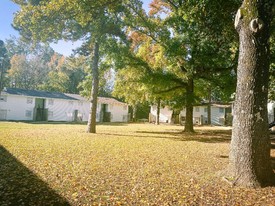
<point x="106" y="114"/>
<point x="39" y="110"/>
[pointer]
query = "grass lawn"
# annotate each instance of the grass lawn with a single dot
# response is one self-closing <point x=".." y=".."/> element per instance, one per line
<point x="123" y="164"/>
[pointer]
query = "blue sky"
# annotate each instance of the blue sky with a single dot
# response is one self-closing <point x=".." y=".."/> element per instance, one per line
<point x="8" y="8"/>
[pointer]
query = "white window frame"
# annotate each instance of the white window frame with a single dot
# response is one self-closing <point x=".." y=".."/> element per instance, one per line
<point x="29" y="100"/>
<point x="28" y="113"/>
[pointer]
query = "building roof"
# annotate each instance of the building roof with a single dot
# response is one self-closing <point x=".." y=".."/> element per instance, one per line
<point x="58" y="95"/>
<point x="36" y="93"/>
<point x="108" y="100"/>
<point x="102" y="100"/>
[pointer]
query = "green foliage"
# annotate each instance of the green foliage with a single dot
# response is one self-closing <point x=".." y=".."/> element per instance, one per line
<point x="65" y="74"/>
<point x="39" y="67"/>
<point x="179" y="42"/>
<point x="4" y="65"/>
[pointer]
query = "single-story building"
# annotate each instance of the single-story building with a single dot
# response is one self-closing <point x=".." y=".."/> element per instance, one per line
<point x="33" y="105"/>
<point x="220" y="114"/>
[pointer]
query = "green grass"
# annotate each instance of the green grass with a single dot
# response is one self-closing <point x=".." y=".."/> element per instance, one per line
<point x="135" y="164"/>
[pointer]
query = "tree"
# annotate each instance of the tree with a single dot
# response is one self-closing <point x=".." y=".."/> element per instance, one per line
<point x="29" y="64"/>
<point x="4" y="63"/>
<point x="92" y="21"/>
<point x="197" y="41"/>
<point x="250" y="146"/>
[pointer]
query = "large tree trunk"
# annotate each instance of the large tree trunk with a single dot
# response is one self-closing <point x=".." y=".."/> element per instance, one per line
<point x="189" y="106"/>
<point x="158" y="112"/>
<point x="91" y="127"/>
<point x="250" y="145"/>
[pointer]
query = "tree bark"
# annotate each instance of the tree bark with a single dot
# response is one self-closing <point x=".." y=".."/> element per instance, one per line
<point x="91" y="127"/>
<point x="209" y="107"/>
<point x="250" y="164"/>
<point x="189" y="127"/>
<point x="135" y="113"/>
<point x="158" y="112"/>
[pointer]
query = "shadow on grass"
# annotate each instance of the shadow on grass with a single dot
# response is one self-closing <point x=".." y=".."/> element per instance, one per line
<point x="206" y="136"/>
<point x="20" y="186"/>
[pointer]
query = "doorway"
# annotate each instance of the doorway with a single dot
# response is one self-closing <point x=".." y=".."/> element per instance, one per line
<point x="40" y="113"/>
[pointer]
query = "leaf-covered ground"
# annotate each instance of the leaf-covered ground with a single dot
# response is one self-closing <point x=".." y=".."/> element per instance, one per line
<point x="135" y="164"/>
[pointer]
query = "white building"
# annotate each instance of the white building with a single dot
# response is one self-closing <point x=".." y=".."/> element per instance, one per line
<point x="33" y="105"/>
<point x="271" y="111"/>
<point x="219" y="114"/>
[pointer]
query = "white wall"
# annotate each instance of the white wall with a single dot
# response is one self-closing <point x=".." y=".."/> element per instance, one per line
<point x="119" y="112"/>
<point x="165" y="115"/>
<point x="17" y="107"/>
<point x="270" y="110"/>
<point x="217" y="115"/>
<point x="61" y="109"/>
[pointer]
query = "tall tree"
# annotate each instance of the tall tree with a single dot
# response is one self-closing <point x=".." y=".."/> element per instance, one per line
<point x="196" y="42"/>
<point x="92" y="21"/>
<point x="4" y="63"/>
<point x="250" y="146"/>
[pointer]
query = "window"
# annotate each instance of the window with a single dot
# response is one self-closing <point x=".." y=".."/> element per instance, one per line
<point x="221" y="110"/>
<point x="28" y="113"/>
<point x="205" y="110"/>
<point x="50" y="114"/>
<point x="3" y="98"/>
<point x="29" y="100"/>
<point x="50" y="102"/>
<point x="197" y="109"/>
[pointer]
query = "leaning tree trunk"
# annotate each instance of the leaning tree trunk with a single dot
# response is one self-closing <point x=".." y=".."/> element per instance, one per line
<point x="250" y="145"/>
<point x="91" y="127"/>
<point x="189" y="127"/>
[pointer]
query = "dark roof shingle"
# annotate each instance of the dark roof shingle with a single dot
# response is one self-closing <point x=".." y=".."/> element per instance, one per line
<point x="36" y="93"/>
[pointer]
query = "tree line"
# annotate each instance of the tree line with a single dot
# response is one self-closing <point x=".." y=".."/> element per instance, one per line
<point x="39" y="67"/>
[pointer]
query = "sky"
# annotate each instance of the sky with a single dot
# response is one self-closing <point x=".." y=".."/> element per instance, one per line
<point x="7" y="10"/>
